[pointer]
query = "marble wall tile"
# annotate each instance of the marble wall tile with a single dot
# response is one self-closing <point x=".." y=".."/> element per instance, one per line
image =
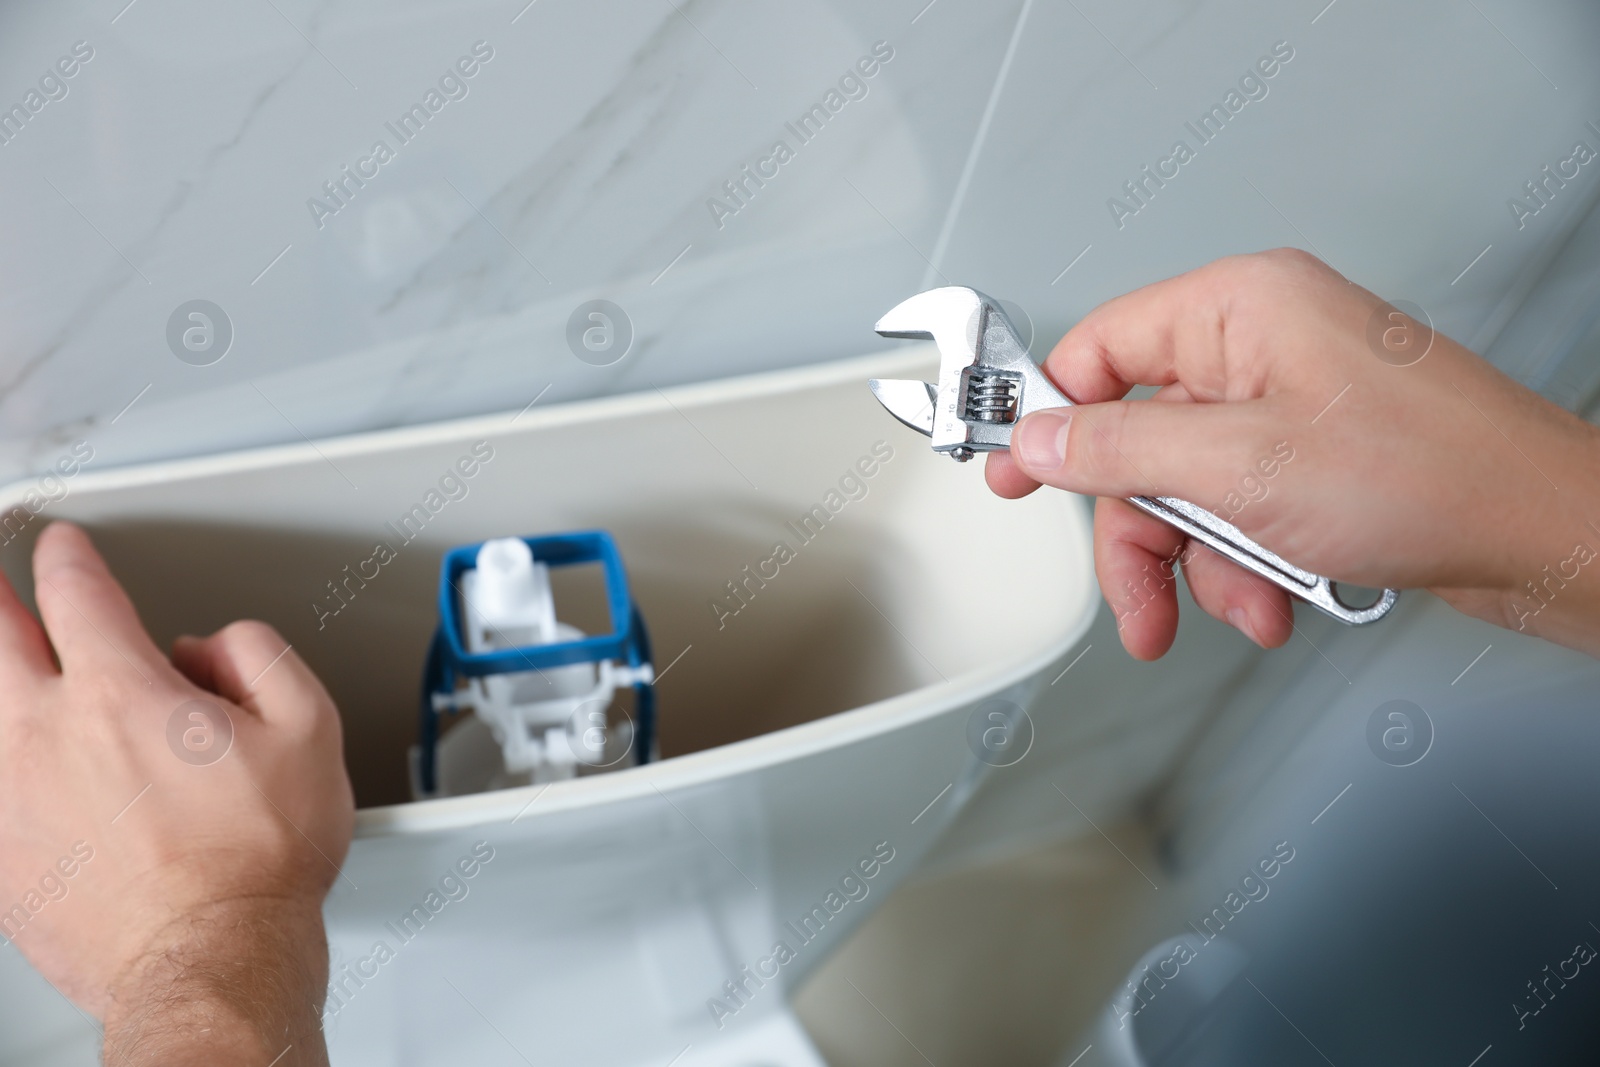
<point x="586" y="158"/>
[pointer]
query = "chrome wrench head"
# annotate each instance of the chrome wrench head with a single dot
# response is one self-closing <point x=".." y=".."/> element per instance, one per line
<point x="987" y="380"/>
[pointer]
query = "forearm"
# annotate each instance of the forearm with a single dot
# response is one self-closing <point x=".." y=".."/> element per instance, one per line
<point x="243" y="984"/>
<point x="1548" y="581"/>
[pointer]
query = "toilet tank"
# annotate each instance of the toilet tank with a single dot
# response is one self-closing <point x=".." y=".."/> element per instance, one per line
<point x="824" y="711"/>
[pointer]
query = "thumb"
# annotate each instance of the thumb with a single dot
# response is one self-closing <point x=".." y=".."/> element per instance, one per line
<point x="1123" y="448"/>
<point x="252" y="665"/>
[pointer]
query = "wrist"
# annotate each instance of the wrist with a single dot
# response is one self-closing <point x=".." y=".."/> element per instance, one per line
<point x="242" y="979"/>
<point x="1548" y="582"/>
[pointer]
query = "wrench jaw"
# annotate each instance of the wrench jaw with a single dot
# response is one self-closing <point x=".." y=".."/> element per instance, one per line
<point x="952" y="318"/>
<point x="911" y="402"/>
<point x="948" y="316"/>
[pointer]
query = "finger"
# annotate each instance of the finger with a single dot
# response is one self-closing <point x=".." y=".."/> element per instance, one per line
<point x="89" y="619"/>
<point x="1136" y="339"/>
<point x="193" y="661"/>
<point x="1138" y="448"/>
<point x="252" y="665"/>
<point x="1134" y="558"/>
<point x="1176" y="392"/>
<point x="24" y="650"/>
<point x="1005" y="478"/>
<point x="1174" y="330"/>
<point x="1008" y="480"/>
<point x="1252" y="605"/>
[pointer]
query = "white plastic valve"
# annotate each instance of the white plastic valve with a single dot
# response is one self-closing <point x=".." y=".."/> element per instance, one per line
<point x="508" y="598"/>
<point x="548" y="723"/>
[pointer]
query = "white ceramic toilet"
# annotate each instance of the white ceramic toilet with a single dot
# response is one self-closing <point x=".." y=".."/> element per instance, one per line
<point x="818" y="726"/>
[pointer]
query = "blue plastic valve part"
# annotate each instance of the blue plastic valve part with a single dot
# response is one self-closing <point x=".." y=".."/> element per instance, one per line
<point x="448" y="657"/>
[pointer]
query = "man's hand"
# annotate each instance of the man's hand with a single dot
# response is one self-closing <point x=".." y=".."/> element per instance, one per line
<point x="168" y="829"/>
<point x="1284" y="409"/>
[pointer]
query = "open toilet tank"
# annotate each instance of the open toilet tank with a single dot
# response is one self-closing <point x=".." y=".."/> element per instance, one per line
<point x="830" y="726"/>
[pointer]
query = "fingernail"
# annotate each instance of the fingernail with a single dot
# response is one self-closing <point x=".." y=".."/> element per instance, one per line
<point x="1239" y="619"/>
<point x="1040" y="441"/>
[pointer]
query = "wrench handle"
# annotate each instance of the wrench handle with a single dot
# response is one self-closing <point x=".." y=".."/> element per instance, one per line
<point x="1229" y="541"/>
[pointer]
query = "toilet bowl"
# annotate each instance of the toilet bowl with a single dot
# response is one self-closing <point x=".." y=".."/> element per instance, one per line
<point x="1168" y="998"/>
<point x="848" y="632"/>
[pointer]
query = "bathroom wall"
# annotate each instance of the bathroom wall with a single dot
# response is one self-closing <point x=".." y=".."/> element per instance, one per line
<point x="588" y="156"/>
